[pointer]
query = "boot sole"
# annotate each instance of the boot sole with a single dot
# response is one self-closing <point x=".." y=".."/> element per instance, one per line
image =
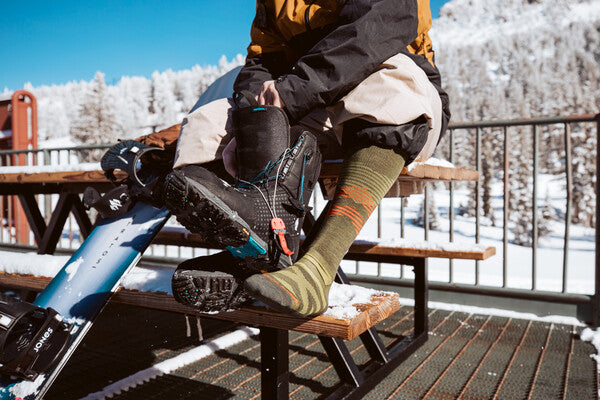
<point x="208" y="291"/>
<point x="202" y="212"/>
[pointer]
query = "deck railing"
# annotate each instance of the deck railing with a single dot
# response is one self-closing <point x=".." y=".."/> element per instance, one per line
<point x="588" y="302"/>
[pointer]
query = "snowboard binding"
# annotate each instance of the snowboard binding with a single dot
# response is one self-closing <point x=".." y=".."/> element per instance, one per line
<point x="139" y="183"/>
<point x="32" y="339"/>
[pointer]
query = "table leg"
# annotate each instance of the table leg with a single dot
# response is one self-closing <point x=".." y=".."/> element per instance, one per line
<point x="54" y="230"/>
<point x="33" y="214"/>
<point x="274" y="363"/>
<point x="421" y="296"/>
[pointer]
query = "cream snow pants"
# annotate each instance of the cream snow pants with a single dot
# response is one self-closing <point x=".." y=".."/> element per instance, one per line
<point x="397" y="92"/>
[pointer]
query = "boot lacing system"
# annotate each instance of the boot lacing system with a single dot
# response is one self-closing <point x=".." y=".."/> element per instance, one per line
<point x="263" y="178"/>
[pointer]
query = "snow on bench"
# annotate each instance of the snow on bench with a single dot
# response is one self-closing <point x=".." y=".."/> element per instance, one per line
<point x="422" y="248"/>
<point x="352" y="309"/>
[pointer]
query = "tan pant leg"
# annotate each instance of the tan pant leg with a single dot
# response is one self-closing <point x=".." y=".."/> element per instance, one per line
<point x="204" y="134"/>
<point x="398" y="92"/>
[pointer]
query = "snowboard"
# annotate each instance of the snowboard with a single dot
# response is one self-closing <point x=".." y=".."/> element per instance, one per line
<point x="84" y="285"/>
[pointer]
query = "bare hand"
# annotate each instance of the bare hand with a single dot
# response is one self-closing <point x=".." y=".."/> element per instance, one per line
<point x="229" y="160"/>
<point x="269" y="96"/>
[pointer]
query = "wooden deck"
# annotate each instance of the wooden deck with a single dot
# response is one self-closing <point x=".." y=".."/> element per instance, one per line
<point x="467" y="356"/>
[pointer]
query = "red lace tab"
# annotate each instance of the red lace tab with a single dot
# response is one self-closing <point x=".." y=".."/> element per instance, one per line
<point x="277" y="224"/>
<point x="283" y="244"/>
<point x="278" y="227"/>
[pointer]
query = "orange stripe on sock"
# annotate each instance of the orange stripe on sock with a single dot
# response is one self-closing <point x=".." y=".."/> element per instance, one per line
<point x="357" y="194"/>
<point x="352" y="214"/>
<point x="344" y="213"/>
<point x="341" y="213"/>
<point x="281" y="286"/>
<point x="368" y="202"/>
<point x="353" y="211"/>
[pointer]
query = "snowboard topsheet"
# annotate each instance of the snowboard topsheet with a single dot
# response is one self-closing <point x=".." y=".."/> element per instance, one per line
<point x="86" y="282"/>
<point x="83" y="286"/>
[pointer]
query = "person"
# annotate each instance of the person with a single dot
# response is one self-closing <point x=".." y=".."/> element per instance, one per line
<point x="323" y="79"/>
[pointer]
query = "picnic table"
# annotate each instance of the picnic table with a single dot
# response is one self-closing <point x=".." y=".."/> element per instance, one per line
<point x="274" y="327"/>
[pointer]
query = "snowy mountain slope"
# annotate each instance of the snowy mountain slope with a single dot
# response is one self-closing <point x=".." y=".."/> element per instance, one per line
<point x="519" y="58"/>
<point x="478" y="21"/>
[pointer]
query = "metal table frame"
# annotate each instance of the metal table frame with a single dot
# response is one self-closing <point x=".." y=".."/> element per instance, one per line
<point x="355" y="381"/>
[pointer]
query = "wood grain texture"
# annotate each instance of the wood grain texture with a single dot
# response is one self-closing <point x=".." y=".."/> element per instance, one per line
<point x="329" y="171"/>
<point x="421" y="171"/>
<point x="184" y="238"/>
<point x="380" y="307"/>
<point x="58" y="177"/>
<point x="389" y="250"/>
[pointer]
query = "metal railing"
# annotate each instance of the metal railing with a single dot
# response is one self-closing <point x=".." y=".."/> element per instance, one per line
<point x="589" y="302"/>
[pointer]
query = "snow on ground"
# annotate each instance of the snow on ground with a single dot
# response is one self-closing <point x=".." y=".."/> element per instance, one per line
<point x="593" y="336"/>
<point x="171" y="364"/>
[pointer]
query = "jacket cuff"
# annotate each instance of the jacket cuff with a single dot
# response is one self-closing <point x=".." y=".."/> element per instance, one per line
<point x="297" y="95"/>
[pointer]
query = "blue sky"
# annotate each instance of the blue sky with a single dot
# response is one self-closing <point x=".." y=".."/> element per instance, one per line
<point x="46" y="42"/>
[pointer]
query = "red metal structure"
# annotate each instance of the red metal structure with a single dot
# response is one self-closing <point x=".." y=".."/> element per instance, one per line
<point x="18" y="131"/>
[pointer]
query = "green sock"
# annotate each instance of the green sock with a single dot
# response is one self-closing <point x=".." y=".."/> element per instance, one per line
<point x="303" y="288"/>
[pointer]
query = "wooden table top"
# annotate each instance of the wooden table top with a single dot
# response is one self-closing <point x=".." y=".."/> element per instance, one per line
<point x="411" y="181"/>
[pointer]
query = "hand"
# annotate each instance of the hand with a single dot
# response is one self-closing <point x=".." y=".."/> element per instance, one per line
<point x="229" y="160"/>
<point x="269" y="96"/>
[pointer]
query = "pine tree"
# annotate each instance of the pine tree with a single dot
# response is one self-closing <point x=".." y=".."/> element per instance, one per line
<point x="96" y="123"/>
<point x="163" y="104"/>
<point x="548" y="215"/>
<point x="432" y="214"/>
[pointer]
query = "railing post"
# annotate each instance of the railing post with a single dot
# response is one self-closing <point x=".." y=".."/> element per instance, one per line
<point x="505" y="208"/>
<point x="477" y="194"/>
<point x="451" y="209"/>
<point x="47" y="197"/>
<point x="596" y="310"/>
<point x="534" y="220"/>
<point x="569" y="173"/>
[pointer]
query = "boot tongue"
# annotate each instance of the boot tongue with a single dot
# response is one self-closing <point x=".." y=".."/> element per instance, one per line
<point x="262" y="135"/>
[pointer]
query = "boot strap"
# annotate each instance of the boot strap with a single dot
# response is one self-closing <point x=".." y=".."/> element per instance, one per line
<point x="247" y="95"/>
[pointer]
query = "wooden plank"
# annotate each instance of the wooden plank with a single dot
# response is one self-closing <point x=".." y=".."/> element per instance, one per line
<point x="182" y="237"/>
<point x="376" y="311"/>
<point x="421" y="171"/>
<point x="330" y="170"/>
<point x="386" y="250"/>
<point x="58" y="177"/>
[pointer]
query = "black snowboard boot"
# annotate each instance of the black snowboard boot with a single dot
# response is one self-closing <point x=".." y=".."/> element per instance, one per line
<point x="210" y="283"/>
<point x="259" y="218"/>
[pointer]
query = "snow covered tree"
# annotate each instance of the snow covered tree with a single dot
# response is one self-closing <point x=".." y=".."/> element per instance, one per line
<point x="432" y="214"/>
<point x="548" y="214"/>
<point x="96" y="122"/>
<point x="162" y="104"/>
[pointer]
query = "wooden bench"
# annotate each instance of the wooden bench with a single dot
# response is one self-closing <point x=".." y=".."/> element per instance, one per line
<point x="274" y="327"/>
<point x="332" y="332"/>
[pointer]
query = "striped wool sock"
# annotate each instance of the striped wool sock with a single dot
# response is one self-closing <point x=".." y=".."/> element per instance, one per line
<point x="303" y="288"/>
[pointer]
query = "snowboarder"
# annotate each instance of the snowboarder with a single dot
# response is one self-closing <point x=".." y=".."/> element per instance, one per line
<point x="352" y="79"/>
